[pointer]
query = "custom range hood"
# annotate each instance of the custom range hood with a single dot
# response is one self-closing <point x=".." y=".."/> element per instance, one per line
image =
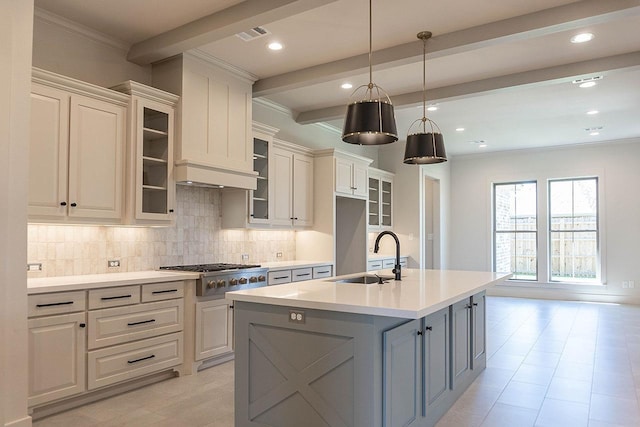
<point x="214" y="143"/>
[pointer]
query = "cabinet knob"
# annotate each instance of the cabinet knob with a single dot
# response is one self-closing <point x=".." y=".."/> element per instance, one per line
<point x="74" y="204"/>
<point x="475" y="304"/>
<point x="419" y="332"/>
<point x="428" y="328"/>
<point x="296" y="218"/>
<point x="170" y="210"/>
<point x="82" y="325"/>
<point x="63" y="203"/>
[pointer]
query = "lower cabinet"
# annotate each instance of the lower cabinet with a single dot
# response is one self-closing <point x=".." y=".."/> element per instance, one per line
<point x="279" y="277"/>
<point x="214" y="328"/>
<point x="84" y="340"/>
<point x="429" y="362"/>
<point x="57" y="348"/>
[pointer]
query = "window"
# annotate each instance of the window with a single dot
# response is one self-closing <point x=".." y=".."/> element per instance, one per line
<point x="573" y="230"/>
<point x="515" y="229"/>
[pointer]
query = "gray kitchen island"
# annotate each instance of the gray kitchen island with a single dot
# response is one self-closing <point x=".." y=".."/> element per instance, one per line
<point x="336" y="353"/>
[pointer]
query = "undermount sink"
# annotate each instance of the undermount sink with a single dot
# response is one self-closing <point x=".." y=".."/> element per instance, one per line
<point x="366" y="279"/>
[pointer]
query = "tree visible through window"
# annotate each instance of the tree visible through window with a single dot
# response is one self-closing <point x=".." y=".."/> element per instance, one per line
<point x="515" y="229"/>
<point x="573" y="230"/>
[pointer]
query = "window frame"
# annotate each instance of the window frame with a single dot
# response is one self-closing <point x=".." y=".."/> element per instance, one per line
<point x="599" y="257"/>
<point x="495" y="231"/>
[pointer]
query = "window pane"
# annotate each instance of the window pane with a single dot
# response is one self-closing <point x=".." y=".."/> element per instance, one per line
<point x="515" y="206"/>
<point x="517" y="253"/>
<point x="573" y="204"/>
<point x="585" y="204"/>
<point x="574" y="256"/>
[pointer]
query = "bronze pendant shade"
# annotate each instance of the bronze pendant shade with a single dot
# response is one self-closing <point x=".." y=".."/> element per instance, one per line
<point x="370" y="122"/>
<point x="427" y="145"/>
<point x="425" y="148"/>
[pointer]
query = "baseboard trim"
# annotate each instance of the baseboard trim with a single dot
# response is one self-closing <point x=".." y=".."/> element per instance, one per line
<point x="22" y="422"/>
<point x="561" y="294"/>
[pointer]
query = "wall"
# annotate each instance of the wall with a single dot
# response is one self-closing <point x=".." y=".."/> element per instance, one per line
<point x="16" y="18"/>
<point x="196" y="238"/>
<point x="408" y="203"/>
<point x="616" y="163"/>
<point x="67" y="48"/>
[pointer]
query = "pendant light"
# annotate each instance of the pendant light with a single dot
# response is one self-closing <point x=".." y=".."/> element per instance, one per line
<point x="371" y="120"/>
<point x="425" y="146"/>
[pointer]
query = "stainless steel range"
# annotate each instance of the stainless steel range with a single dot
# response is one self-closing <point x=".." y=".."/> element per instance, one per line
<point x="216" y="279"/>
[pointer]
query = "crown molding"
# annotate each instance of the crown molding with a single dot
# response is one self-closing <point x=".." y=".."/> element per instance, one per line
<point x="281" y="109"/>
<point x="80" y="29"/>
<point x="210" y="59"/>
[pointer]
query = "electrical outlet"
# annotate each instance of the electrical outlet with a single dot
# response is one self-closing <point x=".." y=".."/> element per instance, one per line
<point x="625" y="284"/>
<point x="296" y="316"/>
<point x="279" y="255"/>
<point x="34" y="266"/>
<point x="113" y="263"/>
<point x="245" y="257"/>
<point x="632" y="284"/>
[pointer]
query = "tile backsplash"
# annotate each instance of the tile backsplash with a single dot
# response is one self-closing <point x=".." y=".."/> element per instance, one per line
<point x="65" y="250"/>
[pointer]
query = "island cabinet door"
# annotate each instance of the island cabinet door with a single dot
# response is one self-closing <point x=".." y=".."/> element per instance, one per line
<point x="401" y="375"/>
<point x="478" y="326"/>
<point x="435" y="374"/>
<point x="460" y="341"/>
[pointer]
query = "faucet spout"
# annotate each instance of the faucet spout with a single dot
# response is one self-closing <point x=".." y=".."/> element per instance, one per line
<point x="397" y="269"/>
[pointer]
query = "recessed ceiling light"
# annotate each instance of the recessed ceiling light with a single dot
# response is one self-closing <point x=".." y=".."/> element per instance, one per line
<point x="275" y="46"/>
<point x="432" y="108"/>
<point x="346" y="86"/>
<point x="588" y="84"/>
<point x="482" y="146"/>
<point x="594" y="133"/>
<point x="581" y="38"/>
<point x="459" y="129"/>
<point x="592" y="112"/>
<point x="189" y="182"/>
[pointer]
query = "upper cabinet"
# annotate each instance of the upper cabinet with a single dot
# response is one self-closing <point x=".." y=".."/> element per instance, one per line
<point x="380" y="199"/>
<point x="283" y="197"/>
<point x="151" y="186"/>
<point x="350" y="173"/>
<point x="76" y="151"/>
<point x="292" y="174"/>
<point x="214" y="144"/>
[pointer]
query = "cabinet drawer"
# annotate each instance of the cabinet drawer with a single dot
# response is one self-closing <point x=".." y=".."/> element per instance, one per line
<point x="374" y="265"/>
<point x="114" y="297"/>
<point x="404" y="261"/>
<point x="123" y="362"/>
<point x="124" y="324"/>
<point x="56" y="303"/>
<point x="300" y="274"/>
<point x="279" y="277"/>
<point x="388" y="263"/>
<point x="322" y="271"/>
<point x="162" y="291"/>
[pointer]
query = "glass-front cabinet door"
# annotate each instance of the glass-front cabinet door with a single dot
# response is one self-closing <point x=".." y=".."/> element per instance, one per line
<point x="259" y="199"/>
<point x="374" y="197"/>
<point x="380" y="199"/>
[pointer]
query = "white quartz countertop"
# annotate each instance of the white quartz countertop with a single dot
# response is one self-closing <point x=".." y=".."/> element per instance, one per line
<point x="285" y="265"/>
<point x="91" y="281"/>
<point x="421" y="292"/>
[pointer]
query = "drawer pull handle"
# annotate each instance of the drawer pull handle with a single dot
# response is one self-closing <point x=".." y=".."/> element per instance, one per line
<point x="54" y="304"/>
<point x="323" y="272"/>
<point x="281" y="277"/>
<point x="116" y="297"/>
<point x="168" y="291"/>
<point x="303" y="274"/>
<point x="141" y="322"/>
<point x="141" y="359"/>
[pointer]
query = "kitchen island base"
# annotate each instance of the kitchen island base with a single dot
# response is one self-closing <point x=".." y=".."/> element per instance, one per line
<point x="299" y="366"/>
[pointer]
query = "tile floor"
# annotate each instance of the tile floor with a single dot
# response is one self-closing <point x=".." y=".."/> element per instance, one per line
<point x="551" y="363"/>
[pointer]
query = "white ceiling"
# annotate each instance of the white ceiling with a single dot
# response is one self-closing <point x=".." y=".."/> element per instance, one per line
<point x="502" y="69"/>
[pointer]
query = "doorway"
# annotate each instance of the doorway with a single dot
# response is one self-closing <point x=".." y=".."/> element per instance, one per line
<point x="431" y="238"/>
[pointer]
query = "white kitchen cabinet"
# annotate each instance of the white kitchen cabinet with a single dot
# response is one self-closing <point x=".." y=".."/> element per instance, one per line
<point x="380" y="200"/>
<point x="214" y="328"/>
<point x="351" y="177"/>
<point x="57" y="349"/>
<point x="151" y="131"/>
<point x="292" y="176"/>
<point x="76" y="152"/>
<point x="388" y="262"/>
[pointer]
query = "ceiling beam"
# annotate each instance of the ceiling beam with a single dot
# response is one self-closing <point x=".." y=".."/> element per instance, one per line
<point x="548" y="21"/>
<point x="463" y="90"/>
<point x="219" y="25"/>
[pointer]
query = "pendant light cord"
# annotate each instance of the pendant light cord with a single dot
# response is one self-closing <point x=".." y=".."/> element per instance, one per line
<point x="370" y="50"/>
<point x="424" y="84"/>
